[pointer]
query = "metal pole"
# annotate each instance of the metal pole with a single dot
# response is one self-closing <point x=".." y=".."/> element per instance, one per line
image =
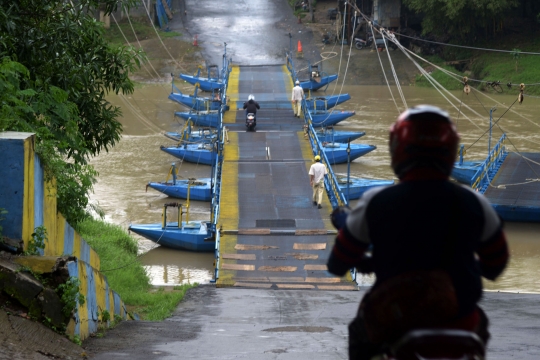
<point x="490" y="127"/>
<point x="348" y="169"/>
<point x="290" y="43"/>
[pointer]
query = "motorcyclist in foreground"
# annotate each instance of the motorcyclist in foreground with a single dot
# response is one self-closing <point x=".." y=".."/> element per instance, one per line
<point x="431" y="241"/>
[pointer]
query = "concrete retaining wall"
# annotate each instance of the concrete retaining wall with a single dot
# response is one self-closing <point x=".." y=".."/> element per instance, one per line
<point x="31" y="202"/>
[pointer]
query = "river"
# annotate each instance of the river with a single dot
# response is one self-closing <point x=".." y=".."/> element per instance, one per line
<point x="126" y="169"/>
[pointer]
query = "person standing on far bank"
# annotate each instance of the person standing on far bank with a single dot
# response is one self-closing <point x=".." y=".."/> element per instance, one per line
<point x="316" y="180"/>
<point x="296" y="99"/>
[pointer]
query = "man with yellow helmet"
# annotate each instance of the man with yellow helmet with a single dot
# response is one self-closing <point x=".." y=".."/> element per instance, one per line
<point x="316" y="180"/>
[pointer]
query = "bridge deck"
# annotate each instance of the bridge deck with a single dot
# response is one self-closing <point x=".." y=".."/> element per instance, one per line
<point x="271" y="234"/>
<point x="517" y="198"/>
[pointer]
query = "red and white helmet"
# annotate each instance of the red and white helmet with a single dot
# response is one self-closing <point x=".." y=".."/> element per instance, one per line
<point x="423" y="137"/>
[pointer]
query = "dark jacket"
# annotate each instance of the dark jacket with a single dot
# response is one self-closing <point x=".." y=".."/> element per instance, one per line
<point x="409" y="225"/>
<point x="251" y="106"/>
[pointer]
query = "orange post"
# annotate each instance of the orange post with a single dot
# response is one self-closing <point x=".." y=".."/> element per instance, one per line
<point x="195" y="43"/>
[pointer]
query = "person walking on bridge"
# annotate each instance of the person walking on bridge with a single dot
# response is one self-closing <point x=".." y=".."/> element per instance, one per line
<point x="296" y="99"/>
<point x="316" y="180"/>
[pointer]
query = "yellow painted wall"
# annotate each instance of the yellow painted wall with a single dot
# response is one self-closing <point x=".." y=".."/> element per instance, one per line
<point x="56" y="243"/>
<point x="83" y="309"/>
<point x="28" y="198"/>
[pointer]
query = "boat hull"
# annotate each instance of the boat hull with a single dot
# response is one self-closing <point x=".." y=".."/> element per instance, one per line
<point x="200" y="189"/>
<point x="195" y="103"/>
<point x="316" y="85"/>
<point x="338" y="136"/>
<point x="192" y="153"/>
<point x="338" y="155"/>
<point x="326" y="102"/>
<point x="205" y="84"/>
<point x="193" y="236"/>
<point x="200" y="118"/>
<point x="194" y="136"/>
<point x="329" y="118"/>
<point x="465" y="172"/>
<point x="358" y="186"/>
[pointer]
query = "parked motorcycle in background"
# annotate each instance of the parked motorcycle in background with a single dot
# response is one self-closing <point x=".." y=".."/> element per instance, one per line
<point x="251" y="122"/>
<point x="361" y="43"/>
<point x="379" y="43"/>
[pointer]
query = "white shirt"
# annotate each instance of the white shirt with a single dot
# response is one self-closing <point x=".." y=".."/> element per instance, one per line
<point x="318" y="170"/>
<point x="297" y="93"/>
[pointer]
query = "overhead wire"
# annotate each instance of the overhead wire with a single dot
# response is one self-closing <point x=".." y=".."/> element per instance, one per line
<point x="383" y="71"/>
<point x="138" y="42"/>
<point x="458" y="77"/>
<point x="496" y="123"/>
<point x="398" y="85"/>
<point x="127" y="41"/>
<point x="159" y="37"/>
<point x="440" y="88"/>
<point x="468" y="47"/>
<point x="436" y="85"/>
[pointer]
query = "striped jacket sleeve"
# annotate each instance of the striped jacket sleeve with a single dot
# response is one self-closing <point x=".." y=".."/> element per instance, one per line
<point x="492" y="251"/>
<point x="352" y="240"/>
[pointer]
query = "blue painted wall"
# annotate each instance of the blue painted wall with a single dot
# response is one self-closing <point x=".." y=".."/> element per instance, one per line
<point x="12" y="192"/>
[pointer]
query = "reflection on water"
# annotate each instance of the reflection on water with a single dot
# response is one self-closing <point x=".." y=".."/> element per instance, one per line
<point x="173" y="267"/>
<point x="136" y="160"/>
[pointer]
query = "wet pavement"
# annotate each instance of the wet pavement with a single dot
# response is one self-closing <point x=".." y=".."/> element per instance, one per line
<point x="290" y="324"/>
<point x="256" y="31"/>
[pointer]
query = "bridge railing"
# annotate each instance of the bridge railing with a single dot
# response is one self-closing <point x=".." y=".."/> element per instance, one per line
<point x="495" y="156"/>
<point x="336" y="196"/>
<point x="217" y="167"/>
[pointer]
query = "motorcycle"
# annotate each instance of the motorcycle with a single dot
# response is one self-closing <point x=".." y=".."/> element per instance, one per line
<point x="361" y="43"/>
<point x="436" y="344"/>
<point x="420" y="344"/>
<point x="379" y="43"/>
<point x="251" y="122"/>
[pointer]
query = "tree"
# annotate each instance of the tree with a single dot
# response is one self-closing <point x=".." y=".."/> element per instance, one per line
<point x="34" y="110"/>
<point x="461" y="19"/>
<point x="57" y="69"/>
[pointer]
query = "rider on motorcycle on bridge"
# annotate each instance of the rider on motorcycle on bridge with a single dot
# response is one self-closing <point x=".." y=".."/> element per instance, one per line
<point x="431" y="241"/>
<point x="251" y="105"/>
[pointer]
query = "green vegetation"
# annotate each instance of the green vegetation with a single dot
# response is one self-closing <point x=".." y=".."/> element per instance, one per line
<point x="139" y="29"/>
<point x="70" y="295"/>
<point x="76" y="339"/>
<point x="37" y="243"/>
<point x="56" y="70"/>
<point x="512" y="67"/>
<point x="462" y="20"/>
<point x="125" y="273"/>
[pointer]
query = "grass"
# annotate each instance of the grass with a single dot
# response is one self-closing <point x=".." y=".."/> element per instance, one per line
<point x="125" y="273"/>
<point x="141" y="30"/>
<point x="494" y="66"/>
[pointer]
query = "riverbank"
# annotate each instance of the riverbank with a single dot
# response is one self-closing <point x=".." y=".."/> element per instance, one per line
<point x="120" y="262"/>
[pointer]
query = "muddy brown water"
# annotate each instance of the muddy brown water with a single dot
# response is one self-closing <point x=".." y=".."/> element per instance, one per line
<point x="137" y="159"/>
